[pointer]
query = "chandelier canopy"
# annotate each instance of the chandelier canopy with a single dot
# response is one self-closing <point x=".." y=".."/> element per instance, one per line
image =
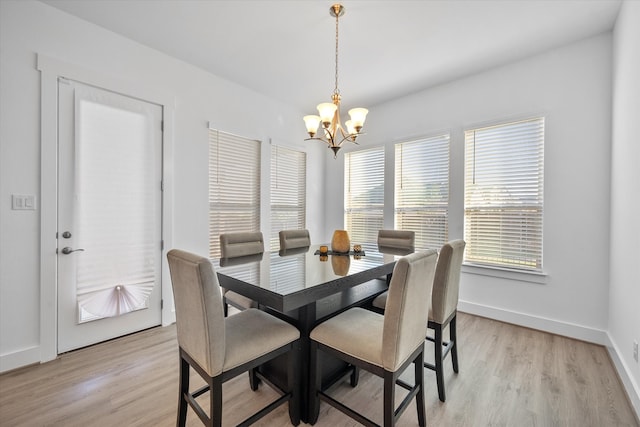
<point x="332" y="132"/>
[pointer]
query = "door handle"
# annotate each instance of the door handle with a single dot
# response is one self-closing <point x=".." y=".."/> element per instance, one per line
<point x="67" y="250"/>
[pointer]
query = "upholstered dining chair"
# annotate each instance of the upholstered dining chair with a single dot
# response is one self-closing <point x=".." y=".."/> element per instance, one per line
<point x="220" y="348"/>
<point x="236" y="246"/>
<point x="444" y="308"/>
<point x="399" y="242"/>
<point x="239" y="244"/>
<point x="383" y="345"/>
<point x="292" y="239"/>
<point x="399" y="239"/>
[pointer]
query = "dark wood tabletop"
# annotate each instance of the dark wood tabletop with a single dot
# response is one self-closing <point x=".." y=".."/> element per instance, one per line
<point x="287" y="281"/>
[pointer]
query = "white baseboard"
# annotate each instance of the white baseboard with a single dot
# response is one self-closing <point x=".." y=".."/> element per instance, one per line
<point x="583" y="333"/>
<point x="630" y="385"/>
<point x="570" y="330"/>
<point x="19" y="359"/>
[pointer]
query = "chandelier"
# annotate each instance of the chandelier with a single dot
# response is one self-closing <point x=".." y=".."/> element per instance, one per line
<point x="332" y="132"/>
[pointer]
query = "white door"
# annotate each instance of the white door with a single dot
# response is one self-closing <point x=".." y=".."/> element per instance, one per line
<point x="109" y="215"/>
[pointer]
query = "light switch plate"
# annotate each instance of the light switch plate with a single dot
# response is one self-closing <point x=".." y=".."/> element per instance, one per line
<point x="22" y="202"/>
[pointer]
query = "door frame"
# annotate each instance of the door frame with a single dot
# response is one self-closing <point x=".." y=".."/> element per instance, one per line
<point x="50" y="69"/>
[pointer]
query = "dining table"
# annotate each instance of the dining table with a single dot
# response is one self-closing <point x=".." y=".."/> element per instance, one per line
<point x="305" y="287"/>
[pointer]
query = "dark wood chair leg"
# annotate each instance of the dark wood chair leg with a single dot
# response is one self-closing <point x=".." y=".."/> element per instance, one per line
<point x="183" y="390"/>
<point x="454" y="346"/>
<point x="216" y="401"/>
<point x="355" y="376"/>
<point x="389" y="398"/>
<point x="438" y="362"/>
<point x="254" y="381"/>
<point x="315" y="383"/>
<point x="293" y="372"/>
<point x="419" y="378"/>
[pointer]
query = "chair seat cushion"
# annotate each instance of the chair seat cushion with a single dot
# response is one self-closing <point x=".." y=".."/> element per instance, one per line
<point x="380" y="301"/>
<point x="240" y="300"/>
<point x="253" y="333"/>
<point x="356" y="332"/>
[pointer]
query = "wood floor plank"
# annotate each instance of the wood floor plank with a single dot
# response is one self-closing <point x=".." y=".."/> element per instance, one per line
<point x="509" y="376"/>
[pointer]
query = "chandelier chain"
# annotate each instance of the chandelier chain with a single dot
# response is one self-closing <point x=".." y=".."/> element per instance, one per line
<point x="336" y="90"/>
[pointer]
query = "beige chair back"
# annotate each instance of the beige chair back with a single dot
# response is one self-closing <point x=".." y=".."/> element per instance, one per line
<point x="291" y="239"/>
<point x="399" y="239"/>
<point x="405" y="317"/>
<point x="241" y="244"/>
<point x="444" y="299"/>
<point x="199" y="312"/>
<point x="226" y="262"/>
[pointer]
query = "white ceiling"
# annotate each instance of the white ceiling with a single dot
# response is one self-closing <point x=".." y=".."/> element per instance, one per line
<point x="285" y="49"/>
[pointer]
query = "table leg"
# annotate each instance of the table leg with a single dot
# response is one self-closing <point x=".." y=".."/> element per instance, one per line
<point x="306" y="322"/>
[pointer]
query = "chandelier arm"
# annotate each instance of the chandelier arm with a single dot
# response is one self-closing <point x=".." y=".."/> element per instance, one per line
<point x="330" y="138"/>
<point x="347" y="138"/>
<point x="331" y="142"/>
<point x="326" y="141"/>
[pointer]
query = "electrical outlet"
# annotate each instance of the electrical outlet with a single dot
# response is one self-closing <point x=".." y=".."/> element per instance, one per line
<point x="635" y="351"/>
<point x="23" y="202"/>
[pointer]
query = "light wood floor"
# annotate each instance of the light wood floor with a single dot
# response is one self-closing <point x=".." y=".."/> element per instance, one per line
<point x="509" y="376"/>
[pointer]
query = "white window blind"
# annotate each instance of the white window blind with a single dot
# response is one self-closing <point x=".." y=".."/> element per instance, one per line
<point x="234" y="186"/>
<point x="288" y="191"/>
<point x="503" y="196"/>
<point x="364" y="194"/>
<point x="422" y="190"/>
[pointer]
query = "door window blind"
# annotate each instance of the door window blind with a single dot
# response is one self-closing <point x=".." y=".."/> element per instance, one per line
<point x="422" y="190"/>
<point x="364" y="194"/>
<point x="503" y="195"/>
<point x="117" y="203"/>
<point x="234" y="186"/>
<point x="288" y="191"/>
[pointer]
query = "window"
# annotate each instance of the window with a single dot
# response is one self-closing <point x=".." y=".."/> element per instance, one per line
<point x="503" y="195"/>
<point x="288" y="191"/>
<point x="364" y="194"/>
<point x="422" y="190"/>
<point x="234" y="186"/>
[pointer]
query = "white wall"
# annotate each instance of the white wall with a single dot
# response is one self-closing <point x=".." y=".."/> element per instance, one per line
<point x="571" y="87"/>
<point x="28" y="28"/>
<point x="624" y="291"/>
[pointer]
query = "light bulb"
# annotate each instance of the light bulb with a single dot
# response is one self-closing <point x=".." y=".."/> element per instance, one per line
<point x="312" y="122"/>
<point x="358" y="116"/>
<point x="327" y="111"/>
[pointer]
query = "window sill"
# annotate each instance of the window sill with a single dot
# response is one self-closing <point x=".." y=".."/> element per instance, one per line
<point x="504" y="273"/>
